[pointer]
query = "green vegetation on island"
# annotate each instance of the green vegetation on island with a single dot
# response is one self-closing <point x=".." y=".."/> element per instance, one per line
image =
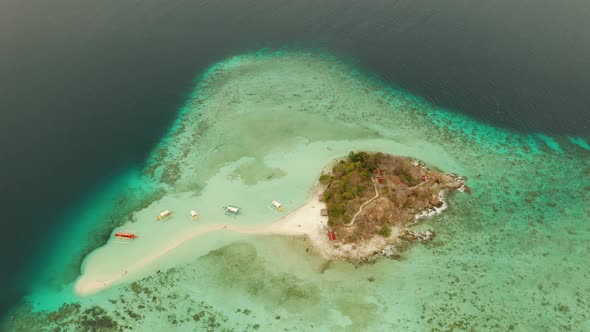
<point x="371" y="193"/>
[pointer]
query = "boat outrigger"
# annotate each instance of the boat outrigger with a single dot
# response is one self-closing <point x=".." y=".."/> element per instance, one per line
<point x="278" y="205"/>
<point x="195" y="215"/>
<point x="232" y="210"/>
<point x="164" y="214"/>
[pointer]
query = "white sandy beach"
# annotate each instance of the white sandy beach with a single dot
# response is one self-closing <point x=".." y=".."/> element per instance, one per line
<point x="305" y="220"/>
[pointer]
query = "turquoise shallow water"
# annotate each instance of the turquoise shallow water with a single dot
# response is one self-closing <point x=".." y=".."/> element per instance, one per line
<point x="510" y="256"/>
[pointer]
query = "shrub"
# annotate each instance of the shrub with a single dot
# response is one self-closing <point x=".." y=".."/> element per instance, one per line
<point x="358" y="157"/>
<point x="385" y="231"/>
<point x="336" y="210"/>
<point x="408" y="179"/>
<point x="365" y="175"/>
<point x="324" y="178"/>
<point x="347" y="195"/>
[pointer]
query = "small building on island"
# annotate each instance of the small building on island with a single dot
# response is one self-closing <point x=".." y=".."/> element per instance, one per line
<point x="378" y="173"/>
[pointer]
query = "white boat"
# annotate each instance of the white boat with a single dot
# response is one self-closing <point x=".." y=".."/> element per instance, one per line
<point x="164" y="214"/>
<point x="232" y="209"/>
<point x="278" y="205"/>
<point x="195" y="215"/>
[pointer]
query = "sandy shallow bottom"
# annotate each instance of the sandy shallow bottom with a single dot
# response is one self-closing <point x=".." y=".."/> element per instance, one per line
<point x="511" y="256"/>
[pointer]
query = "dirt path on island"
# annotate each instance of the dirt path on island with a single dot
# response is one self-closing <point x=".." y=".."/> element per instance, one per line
<point x="363" y="205"/>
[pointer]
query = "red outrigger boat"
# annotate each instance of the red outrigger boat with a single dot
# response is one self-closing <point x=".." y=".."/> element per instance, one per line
<point x="125" y="235"/>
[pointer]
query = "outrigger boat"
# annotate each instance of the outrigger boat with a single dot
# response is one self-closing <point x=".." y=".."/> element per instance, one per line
<point x="278" y="205"/>
<point x="194" y="215"/>
<point x="164" y="214"/>
<point x="125" y="236"/>
<point x="232" y="210"/>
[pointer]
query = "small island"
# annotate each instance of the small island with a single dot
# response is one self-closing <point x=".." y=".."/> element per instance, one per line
<point x="371" y="199"/>
<point x="361" y="209"/>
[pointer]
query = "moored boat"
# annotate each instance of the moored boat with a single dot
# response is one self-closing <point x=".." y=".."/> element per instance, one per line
<point x="195" y="215"/>
<point x="125" y="235"/>
<point x="164" y="214"/>
<point x="233" y="210"/>
<point x="278" y="205"/>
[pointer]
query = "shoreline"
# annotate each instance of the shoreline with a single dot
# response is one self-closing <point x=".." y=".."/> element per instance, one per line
<point x="303" y="221"/>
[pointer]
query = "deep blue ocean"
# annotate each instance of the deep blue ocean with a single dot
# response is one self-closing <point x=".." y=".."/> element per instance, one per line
<point x="87" y="89"/>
